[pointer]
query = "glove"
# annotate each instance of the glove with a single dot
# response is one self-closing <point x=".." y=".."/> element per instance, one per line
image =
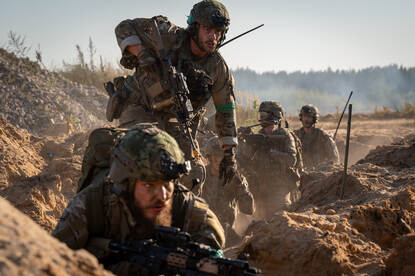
<point x="227" y="168"/>
<point x="147" y="62"/>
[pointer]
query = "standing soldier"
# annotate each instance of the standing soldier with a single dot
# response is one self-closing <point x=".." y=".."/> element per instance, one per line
<point x="318" y="146"/>
<point x="225" y="201"/>
<point x="141" y="97"/>
<point x="138" y="192"/>
<point x="273" y="159"/>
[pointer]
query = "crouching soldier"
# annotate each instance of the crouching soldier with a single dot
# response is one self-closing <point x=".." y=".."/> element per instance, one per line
<point x="138" y="192"/>
<point x="318" y="146"/>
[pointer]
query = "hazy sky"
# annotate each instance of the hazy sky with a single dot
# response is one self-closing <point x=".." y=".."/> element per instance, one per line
<point x="298" y="35"/>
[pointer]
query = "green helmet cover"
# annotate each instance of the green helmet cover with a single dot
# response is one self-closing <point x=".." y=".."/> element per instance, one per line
<point x="149" y="154"/>
<point x="310" y="109"/>
<point x="274" y="110"/>
<point x="210" y="13"/>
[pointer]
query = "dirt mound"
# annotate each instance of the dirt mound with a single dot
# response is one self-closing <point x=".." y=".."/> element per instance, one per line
<point x="311" y="244"/>
<point x="398" y="155"/>
<point x="321" y="189"/>
<point x="361" y="145"/>
<point x="45" y="103"/>
<point x="363" y="234"/>
<point x="40" y="174"/>
<point x="25" y="249"/>
<point x="19" y="154"/>
<point x="401" y="261"/>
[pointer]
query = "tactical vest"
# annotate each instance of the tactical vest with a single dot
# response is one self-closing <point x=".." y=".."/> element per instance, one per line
<point x="147" y="87"/>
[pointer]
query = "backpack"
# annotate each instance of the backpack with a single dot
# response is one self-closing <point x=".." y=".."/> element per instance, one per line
<point x="98" y="153"/>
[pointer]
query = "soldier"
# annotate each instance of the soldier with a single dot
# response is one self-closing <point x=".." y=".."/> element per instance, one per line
<point x="273" y="163"/>
<point x="318" y="146"/>
<point x="227" y="200"/>
<point x="193" y="51"/>
<point x="139" y="191"/>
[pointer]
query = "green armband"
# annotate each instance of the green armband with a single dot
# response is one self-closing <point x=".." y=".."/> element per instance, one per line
<point x="218" y="253"/>
<point x="226" y="107"/>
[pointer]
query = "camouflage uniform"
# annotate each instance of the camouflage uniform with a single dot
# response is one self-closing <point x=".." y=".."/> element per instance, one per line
<point x="105" y="211"/>
<point x="207" y="77"/>
<point x="270" y="168"/>
<point x="226" y="200"/>
<point x="318" y="146"/>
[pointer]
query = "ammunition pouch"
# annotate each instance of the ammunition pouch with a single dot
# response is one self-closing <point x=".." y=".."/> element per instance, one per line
<point x="156" y="94"/>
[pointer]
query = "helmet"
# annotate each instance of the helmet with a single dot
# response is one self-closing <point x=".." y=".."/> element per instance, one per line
<point x="147" y="153"/>
<point x="310" y="109"/>
<point x="273" y="109"/>
<point x="210" y="13"/>
<point x="212" y="147"/>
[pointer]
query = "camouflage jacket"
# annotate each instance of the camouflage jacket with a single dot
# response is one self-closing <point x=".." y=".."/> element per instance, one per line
<point x="318" y="148"/>
<point x="275" y="158"/>
<point x="97" y="212"/>
<point x="209" y="71"/>
<point x="225" y="201"/>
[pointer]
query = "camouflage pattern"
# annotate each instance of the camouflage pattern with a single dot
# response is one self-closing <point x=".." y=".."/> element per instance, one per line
<point x="318" y="148"/>
<point x="207" y="77"/>
<point x="310" y="109"/>
<point x="226" y="201"/>
<point x="105" y="209"/>
<point x="98" y="212"/>
<point x="210" y="13"/>
<point x="273" y="108"/>
<point x="141" y="154"/>
<point x="271" y="169"/>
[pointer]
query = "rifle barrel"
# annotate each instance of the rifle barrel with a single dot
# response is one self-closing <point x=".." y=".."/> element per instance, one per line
<point x="238" y="36"/>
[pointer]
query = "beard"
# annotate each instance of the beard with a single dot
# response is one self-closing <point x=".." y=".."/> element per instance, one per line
<point x="145" y="227"/>
<point x="203" y="45"/>
<point x="308" y="124"/>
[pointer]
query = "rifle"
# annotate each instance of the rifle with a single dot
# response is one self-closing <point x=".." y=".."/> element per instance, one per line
<point x="172" y="252"/>
<point x="175" y="83"/>
<point x="246" y="130"/>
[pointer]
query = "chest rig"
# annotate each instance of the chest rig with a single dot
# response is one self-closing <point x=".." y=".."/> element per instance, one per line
<point x="197" y="80"/>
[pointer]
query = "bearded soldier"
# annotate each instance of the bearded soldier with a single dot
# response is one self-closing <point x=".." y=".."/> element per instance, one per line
<point x="192" y="51"/>
<point x="139" y="191"/>
<point x="227" y="200"/>
<point x="318" y="146"/>
<point x="272" y="159"/>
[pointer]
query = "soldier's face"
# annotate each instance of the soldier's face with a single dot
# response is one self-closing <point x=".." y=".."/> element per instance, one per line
<point x="153" y="198"/>
<point x="307" y="120"/>
<point x="208" y="38"/>
<point x="263" y="116"/>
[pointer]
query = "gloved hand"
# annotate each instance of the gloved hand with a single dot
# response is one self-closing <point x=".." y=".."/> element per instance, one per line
<point x="148" y="62"/>
<point x="227" y="168"/>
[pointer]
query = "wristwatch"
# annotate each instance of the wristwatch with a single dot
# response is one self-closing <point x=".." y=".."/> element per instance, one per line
<point x="230" y="151"/>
